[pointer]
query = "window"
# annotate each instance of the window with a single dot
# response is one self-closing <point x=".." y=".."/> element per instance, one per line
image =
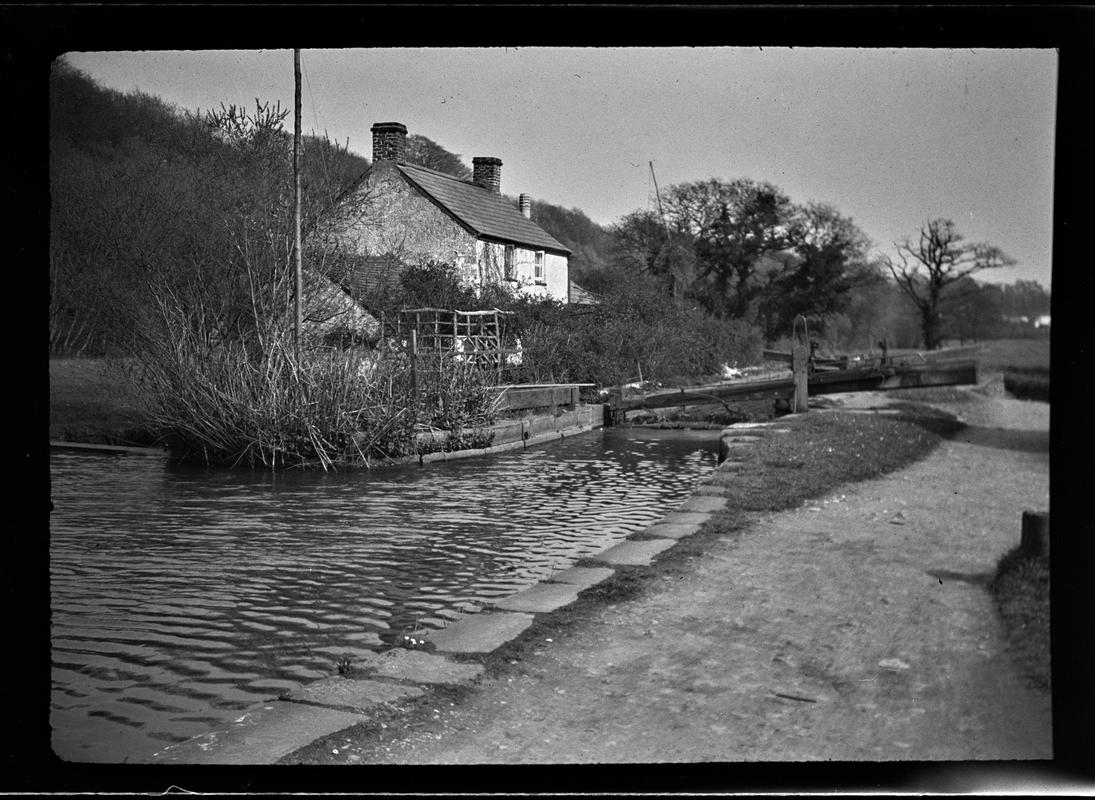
<point x="538" y="269"/>
<point x="510" y="270"/>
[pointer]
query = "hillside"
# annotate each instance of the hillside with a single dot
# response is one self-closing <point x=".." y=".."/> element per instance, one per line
<point x="589" y="241"/>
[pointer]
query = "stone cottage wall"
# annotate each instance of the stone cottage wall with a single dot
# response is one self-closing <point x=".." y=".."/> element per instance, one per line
<point x="385" y="214"/>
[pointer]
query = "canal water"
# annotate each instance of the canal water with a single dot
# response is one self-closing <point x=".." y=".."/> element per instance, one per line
<point x="180" y="596"/>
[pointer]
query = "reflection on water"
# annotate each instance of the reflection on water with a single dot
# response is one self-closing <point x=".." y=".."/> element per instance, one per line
<point x="180" y="596"/>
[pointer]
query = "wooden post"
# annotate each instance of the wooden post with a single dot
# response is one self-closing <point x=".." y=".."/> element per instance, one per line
<point x="1035" y="535"/>
<point x="800" y="399"/>
<point x="414" y="369"/>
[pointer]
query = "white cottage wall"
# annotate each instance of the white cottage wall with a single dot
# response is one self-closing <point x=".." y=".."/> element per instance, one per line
<point x="491" y="257"/>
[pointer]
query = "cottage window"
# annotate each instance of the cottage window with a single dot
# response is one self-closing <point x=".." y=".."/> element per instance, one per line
<point x="538" y="269"/>
<point x="511" y="274"/>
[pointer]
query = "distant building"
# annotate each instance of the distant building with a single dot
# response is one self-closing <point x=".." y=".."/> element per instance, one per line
<point x="1040" y="321"/>
<point x="398" y="214"/>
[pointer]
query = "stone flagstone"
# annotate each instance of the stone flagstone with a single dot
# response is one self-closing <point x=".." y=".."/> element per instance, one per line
<point x="541" y="598"/>
<point x="634" y="553"/>
<point x="352" y="694"/>
<point x="686" y="517"/>
<point x="582" y="577"/>
<point x="713" y="490"/>
<point x="479" y="633"/>
<point x="261" y="735"/>
<point x="672" y="530"/>
<point x="419" y="667"/>
<point x="702" y="504"/>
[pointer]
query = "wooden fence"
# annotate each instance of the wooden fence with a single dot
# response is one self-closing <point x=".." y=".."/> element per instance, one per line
<point x="477" y="338"/>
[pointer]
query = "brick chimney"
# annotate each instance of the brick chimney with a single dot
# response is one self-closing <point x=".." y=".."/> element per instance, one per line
<point x="525" y="203"/>
<point x="487" y="172"/>
<point x="389" y="141"/>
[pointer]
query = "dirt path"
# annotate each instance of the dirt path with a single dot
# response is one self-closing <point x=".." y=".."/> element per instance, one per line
<point x="855" y="628"/>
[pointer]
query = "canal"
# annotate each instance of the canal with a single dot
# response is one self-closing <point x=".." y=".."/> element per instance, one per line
<point x="180" y="596"/>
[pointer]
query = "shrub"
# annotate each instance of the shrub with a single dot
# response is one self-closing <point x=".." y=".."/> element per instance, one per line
<point x="1028" y="384"/>
<point x="634" y="333"/>
<point x="1021" y="589"/>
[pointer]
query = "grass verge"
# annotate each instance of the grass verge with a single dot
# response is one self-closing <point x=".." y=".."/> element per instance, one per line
<point x="1021" y="591"/>
<point x="91" y="401"/>
<point x="999" y="355"/>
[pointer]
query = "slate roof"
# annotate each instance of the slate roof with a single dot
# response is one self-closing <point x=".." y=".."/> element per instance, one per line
<point x="481" y="210"/>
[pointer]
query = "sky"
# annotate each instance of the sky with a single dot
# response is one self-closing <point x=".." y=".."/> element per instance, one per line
<point x="890" y="137"/>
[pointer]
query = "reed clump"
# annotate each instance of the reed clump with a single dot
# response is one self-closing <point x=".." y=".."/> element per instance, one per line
<point x="233" y="404"/>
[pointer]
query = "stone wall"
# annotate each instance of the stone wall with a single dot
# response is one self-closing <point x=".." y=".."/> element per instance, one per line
<point x="384" y="214"/>
<point x="389" y="141"/>
<point x="487" y="172"/>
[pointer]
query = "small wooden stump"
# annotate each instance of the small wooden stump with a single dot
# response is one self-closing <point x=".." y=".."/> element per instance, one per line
<point x="1035" y="535"/>
<point x="800" y="403"/>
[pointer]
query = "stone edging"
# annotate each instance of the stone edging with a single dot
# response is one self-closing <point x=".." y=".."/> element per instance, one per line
<point x="273" y="729"/>
<point x="581" y="420"/>
<point x="108" y="448"/>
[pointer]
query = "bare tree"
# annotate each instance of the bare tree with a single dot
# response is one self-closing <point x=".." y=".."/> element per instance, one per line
<point x="926" y="270"/>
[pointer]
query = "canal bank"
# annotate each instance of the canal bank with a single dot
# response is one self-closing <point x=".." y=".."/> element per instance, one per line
<point x="528" y="415"/>
<point x="437" y="663"/>
<point x="400" y="707"/>
<point x="853" y="627"/>
<point x="182" y="595"/>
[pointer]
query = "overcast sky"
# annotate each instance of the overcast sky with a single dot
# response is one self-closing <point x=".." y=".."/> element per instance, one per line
<point x="890" y="137"/>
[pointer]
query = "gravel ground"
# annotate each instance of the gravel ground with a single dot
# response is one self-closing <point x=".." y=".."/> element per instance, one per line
<point x="856" y="628"/>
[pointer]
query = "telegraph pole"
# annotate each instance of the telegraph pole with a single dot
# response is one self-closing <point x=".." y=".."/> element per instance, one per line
<point x="665" y="227"/>
<point x="658" y="194"/>
<point x="296" y="204"/>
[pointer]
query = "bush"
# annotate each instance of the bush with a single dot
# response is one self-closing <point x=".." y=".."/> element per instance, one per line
<point x="635" y="333"/>
<point x="1028" y="384"/>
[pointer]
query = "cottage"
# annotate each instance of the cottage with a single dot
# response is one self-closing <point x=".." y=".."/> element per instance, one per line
<point x="400" y="213"/>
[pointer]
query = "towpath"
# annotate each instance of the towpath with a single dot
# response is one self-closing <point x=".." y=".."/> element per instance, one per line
<point x="857" y="627"/>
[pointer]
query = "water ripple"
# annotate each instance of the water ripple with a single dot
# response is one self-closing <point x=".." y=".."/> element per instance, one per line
<point x="181" y="595"/>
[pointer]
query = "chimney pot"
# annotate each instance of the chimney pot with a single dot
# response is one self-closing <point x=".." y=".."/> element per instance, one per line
<point x="526" y="206"/>
<point x="487" y="172"/>
<point x="389" y="141"/>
